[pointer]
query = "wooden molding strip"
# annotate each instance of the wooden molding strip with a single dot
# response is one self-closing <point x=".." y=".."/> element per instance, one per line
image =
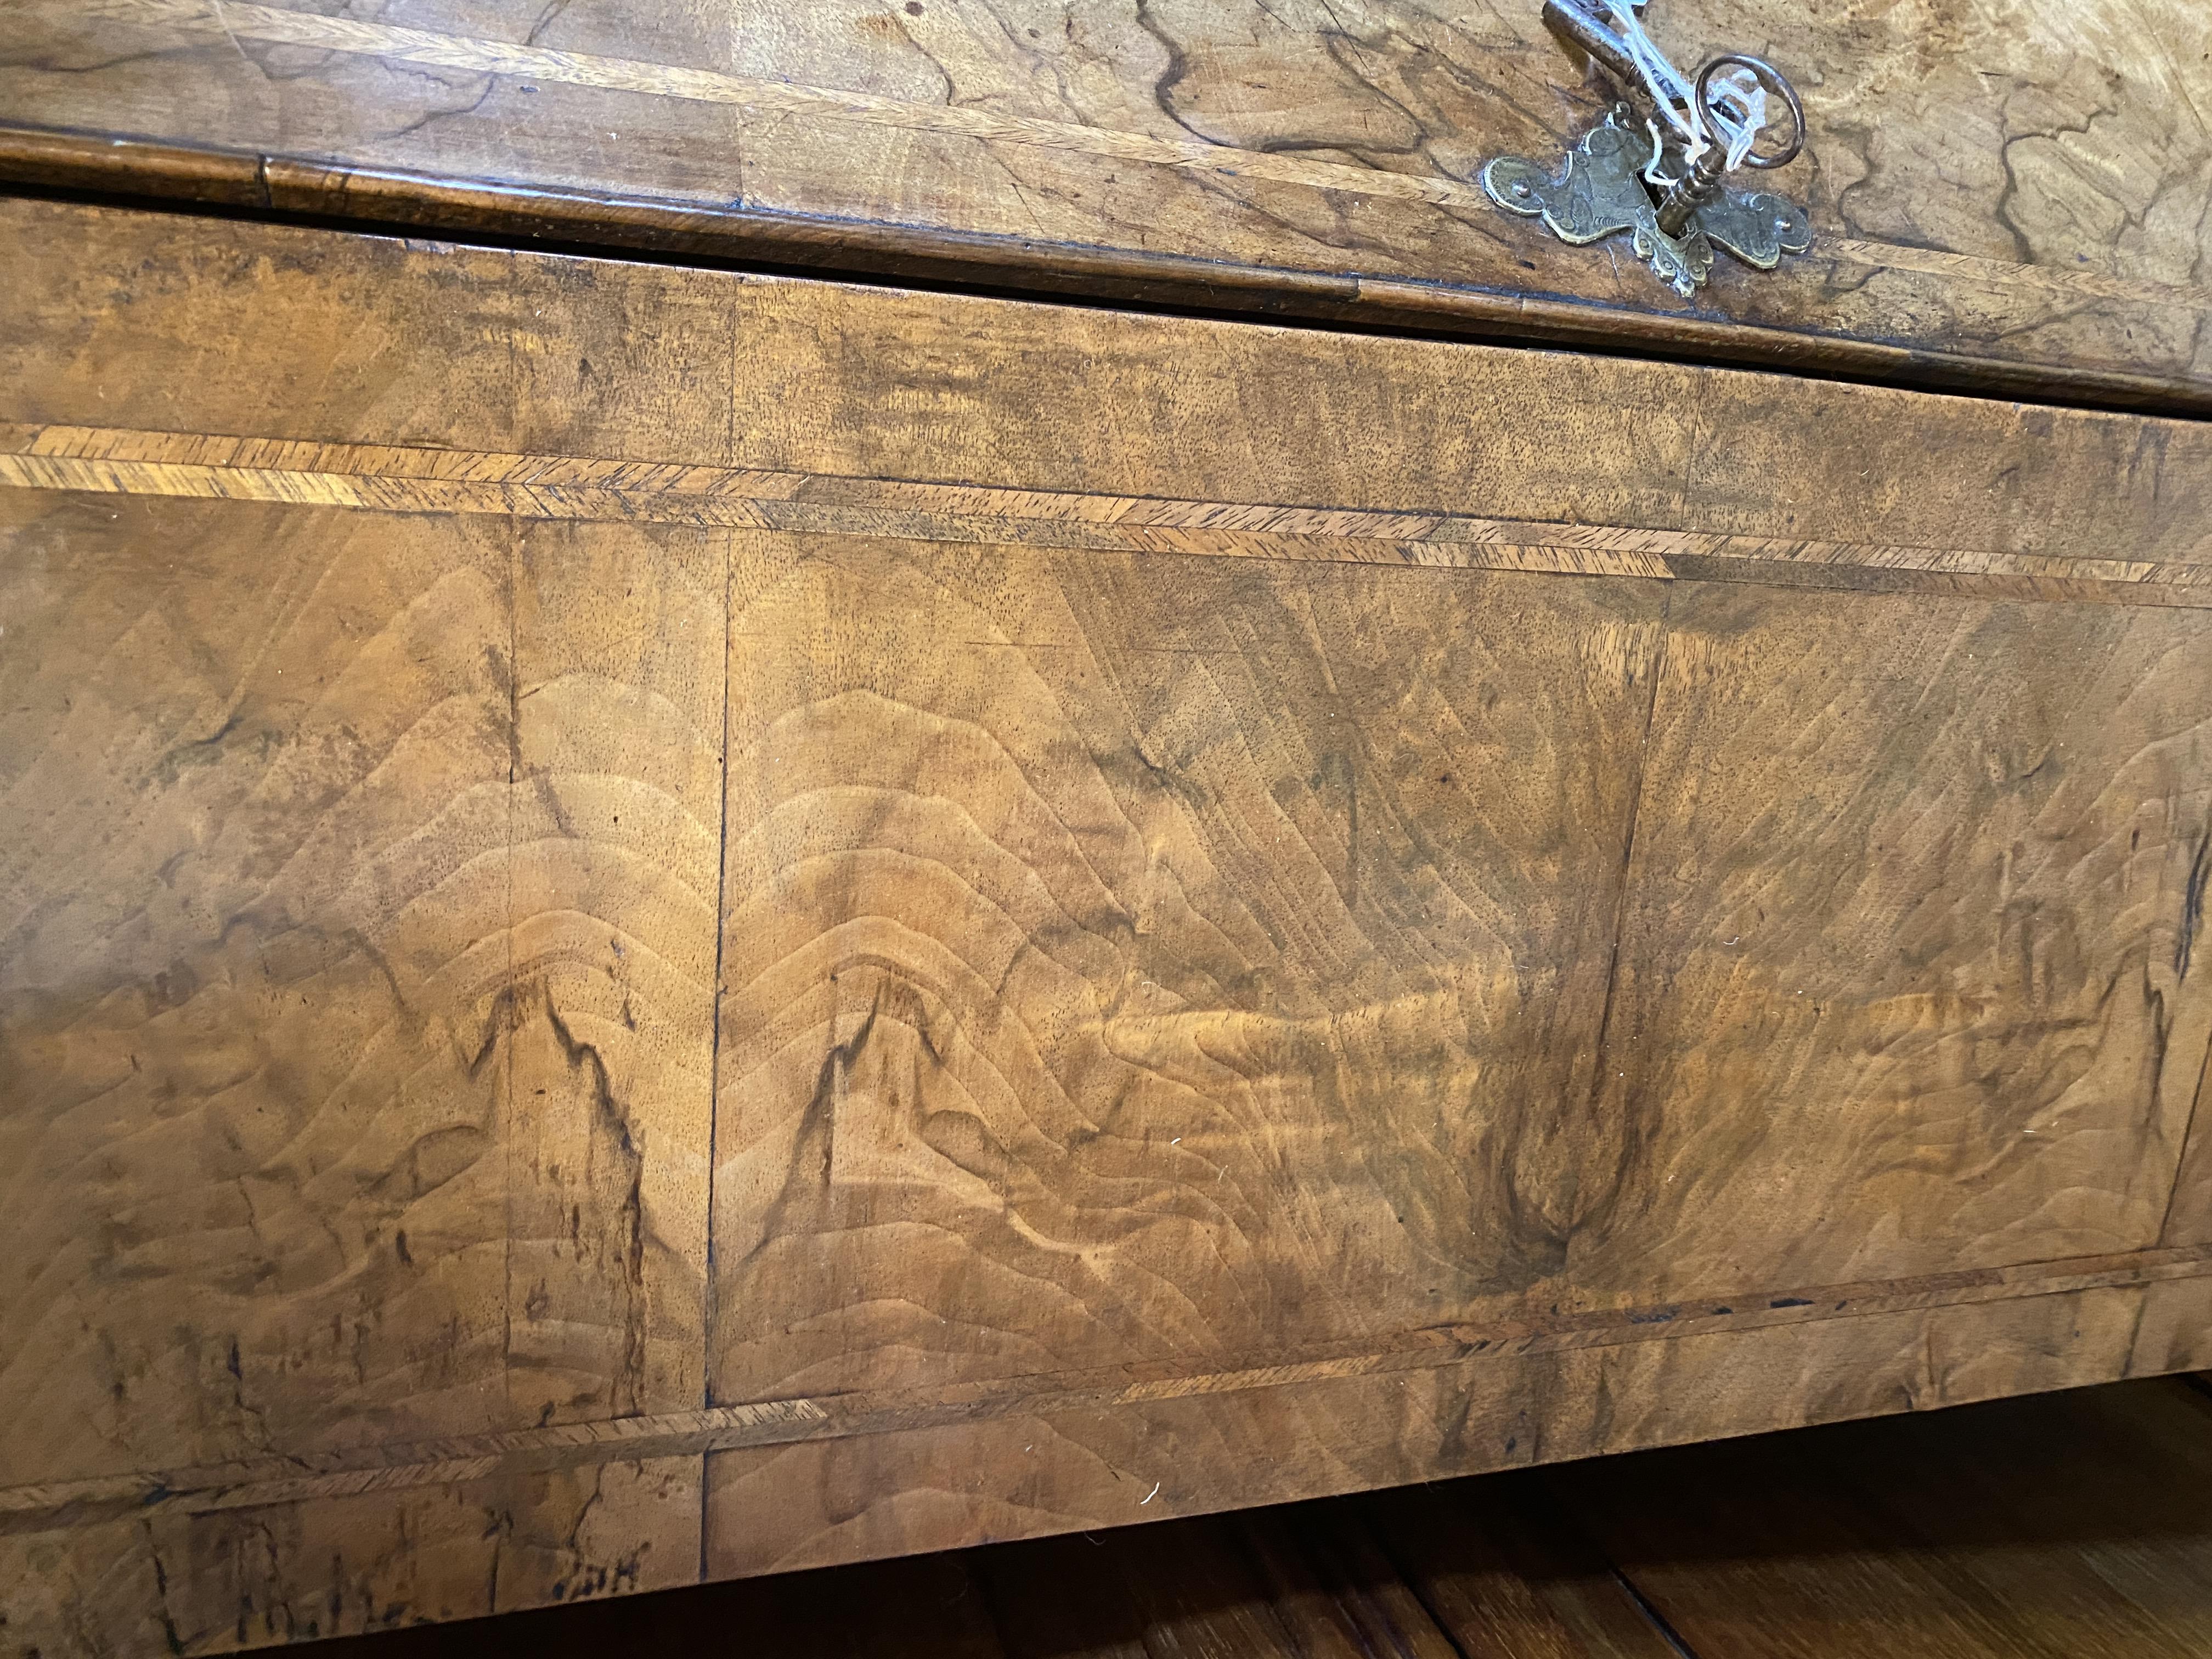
<point x="391" y="479"/>
<point x="255" y="1482"/>
<point x="62" y="159"/>
<point x="236" y="20"/>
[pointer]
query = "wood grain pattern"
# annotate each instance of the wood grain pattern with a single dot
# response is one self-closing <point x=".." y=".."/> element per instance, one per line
<point x="1991" y="208"/>
<point x="332" y="1087"/>
<point x="1856" y="951"/>
<point x="1081" y="967"/>
<point x="1500" y="1572"/>
<point x="332" y="845"/>
<point x="2055" y="1526"/>
<point x="227" y="1580"/>
<point x="1166" y="951"/>
<point x="1068" y="1465"/>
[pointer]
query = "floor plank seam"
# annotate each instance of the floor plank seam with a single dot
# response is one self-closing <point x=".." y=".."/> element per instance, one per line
<point x="1657" y="1619"/>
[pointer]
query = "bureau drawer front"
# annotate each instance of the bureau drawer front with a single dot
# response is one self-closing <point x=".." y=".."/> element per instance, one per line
<point x="661" y="923"/>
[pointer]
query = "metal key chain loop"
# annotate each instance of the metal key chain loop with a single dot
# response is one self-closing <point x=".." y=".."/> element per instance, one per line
<point x="1775" y="82"/>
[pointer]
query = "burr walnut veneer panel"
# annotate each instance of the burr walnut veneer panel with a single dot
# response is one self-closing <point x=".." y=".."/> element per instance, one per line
<point x="657" y="923"/>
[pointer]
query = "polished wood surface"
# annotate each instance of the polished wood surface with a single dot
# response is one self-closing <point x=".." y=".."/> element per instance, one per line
<point x="2005" y="194"/>
<point x="2050" y="1527"/>
<point x="663" y="925"/>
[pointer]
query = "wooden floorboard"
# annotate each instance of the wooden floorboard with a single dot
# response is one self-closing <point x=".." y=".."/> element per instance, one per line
<point x="2065" y="1526"/>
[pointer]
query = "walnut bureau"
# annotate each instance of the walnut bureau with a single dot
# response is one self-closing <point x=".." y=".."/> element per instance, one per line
<point x="661" y="920"/>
